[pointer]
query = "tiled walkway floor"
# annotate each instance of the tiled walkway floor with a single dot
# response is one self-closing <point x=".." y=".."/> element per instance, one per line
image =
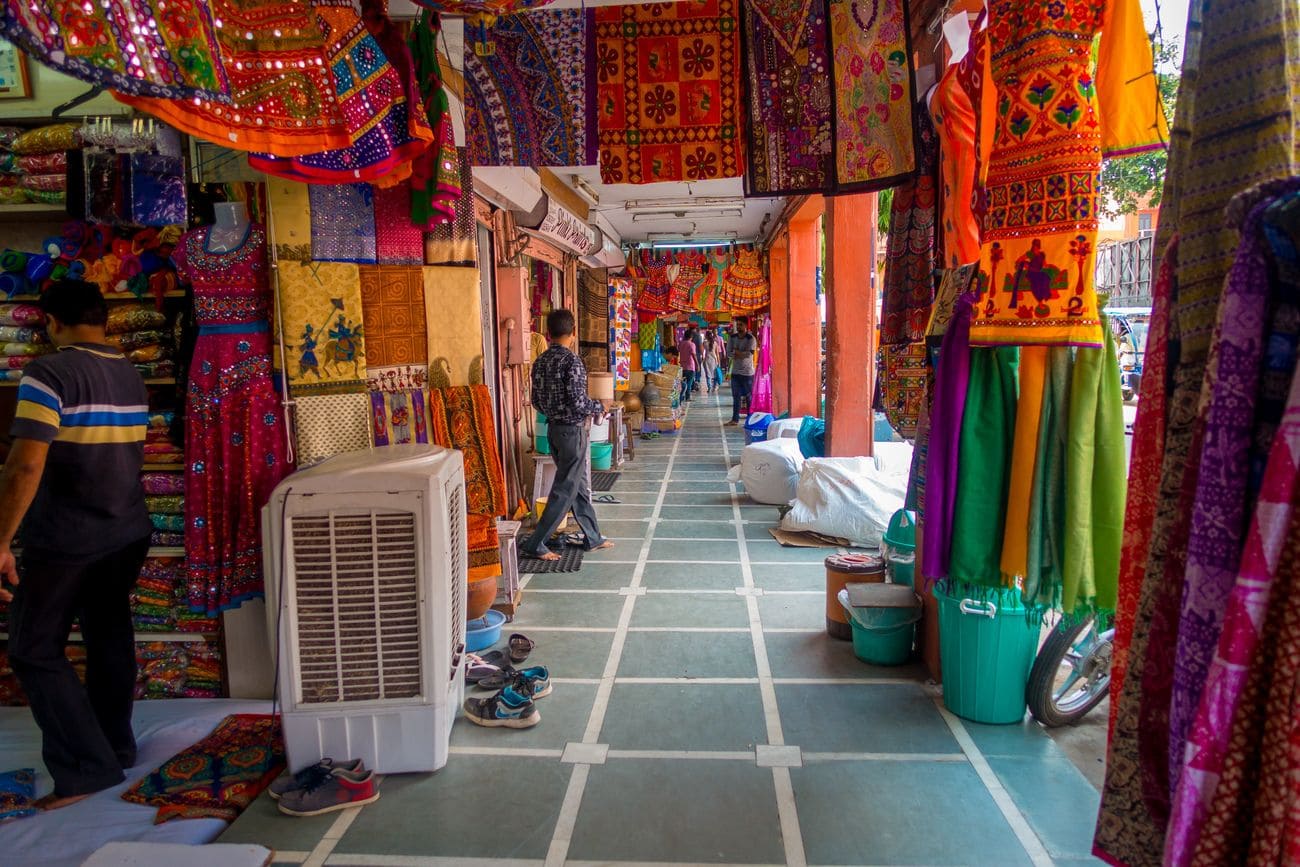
<point x="701" y="715"/>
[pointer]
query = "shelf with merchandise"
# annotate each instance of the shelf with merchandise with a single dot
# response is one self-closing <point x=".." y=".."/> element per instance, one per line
<point x="33" y="212"/>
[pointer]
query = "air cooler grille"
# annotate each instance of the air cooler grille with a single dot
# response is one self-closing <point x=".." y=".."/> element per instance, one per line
<point x="356" y="584"/>
<point x="456" y="538"/>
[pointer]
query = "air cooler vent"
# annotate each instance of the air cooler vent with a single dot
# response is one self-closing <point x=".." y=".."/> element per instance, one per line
<point x="456" y="538"/>
<point x="356" y="584"/>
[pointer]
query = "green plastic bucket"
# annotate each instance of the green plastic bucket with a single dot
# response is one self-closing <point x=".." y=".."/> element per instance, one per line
<point x="987" y="645"/>
<point x="602" y="455"/>
<point x="898" y="548"/>
<point x="543" y="436"/>
<point x="883" y="617"/>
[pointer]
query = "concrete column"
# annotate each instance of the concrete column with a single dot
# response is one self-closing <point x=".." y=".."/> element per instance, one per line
<point x="779" y="274"/>
<point x="850" y="324"/>
<point x="803" y="337"/>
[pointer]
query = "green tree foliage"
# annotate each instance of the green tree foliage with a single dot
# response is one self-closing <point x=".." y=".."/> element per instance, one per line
<point x="1128" y="183"/>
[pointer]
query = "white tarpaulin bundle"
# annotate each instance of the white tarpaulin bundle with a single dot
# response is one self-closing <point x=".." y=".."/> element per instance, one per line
<point x="851" y="498"/>
<point x="770" y="471"/>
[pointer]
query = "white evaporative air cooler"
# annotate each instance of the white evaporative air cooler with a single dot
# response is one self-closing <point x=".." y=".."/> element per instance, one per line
<point x="366" y="583"/>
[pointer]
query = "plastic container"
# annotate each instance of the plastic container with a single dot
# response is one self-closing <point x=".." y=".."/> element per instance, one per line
<point x="483" y="633"/>
<point x="988" y="646"/>
<point x="840" y="570"/>
<point x="884" y="618"/>
<point x="898" y="548"/>
<point x="602" y="455"/>
<point x="543" y="439"/>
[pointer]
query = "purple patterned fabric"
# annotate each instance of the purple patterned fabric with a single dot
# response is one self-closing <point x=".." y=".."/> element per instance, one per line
<point x="951" y="379"/>
<point x="342" y="223"/>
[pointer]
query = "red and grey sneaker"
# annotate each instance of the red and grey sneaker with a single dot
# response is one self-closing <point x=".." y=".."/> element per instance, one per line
<point x="312" y="774"/>
<point x="336" y="791"/>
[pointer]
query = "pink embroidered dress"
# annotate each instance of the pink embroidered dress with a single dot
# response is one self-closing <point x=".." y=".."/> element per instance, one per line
<point x="235" y="451"/>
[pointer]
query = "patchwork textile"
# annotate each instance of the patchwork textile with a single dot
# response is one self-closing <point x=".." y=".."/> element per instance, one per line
<point x="218" y="777"/>
<point x="526" y="100"/>
<point x="903" y="375"/>
<point x="392" y="304"/>
<point x="462" y="419"/>
<point x="399" y="418"/>
<point x="321" y="314"/>
<point x="342" y="223"/>
<point x="621" y="315"/>
<point x="908" y="290"/>
<point x="668" y="92"/>
<point x="331" y="424"/>
<point x="455" y="241"/>
<point x="98" y="42"/>
<point x="830" y="96"/>
<point x="452" y="306"/>
<point x="1038" y="257"/>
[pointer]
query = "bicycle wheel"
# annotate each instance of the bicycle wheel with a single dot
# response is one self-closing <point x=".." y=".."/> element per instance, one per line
<point x="1071" y="674"/>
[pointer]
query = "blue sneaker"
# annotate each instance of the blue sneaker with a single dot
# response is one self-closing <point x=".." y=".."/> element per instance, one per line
<point x="532" y="682"/>
<point x="506" y="709"/>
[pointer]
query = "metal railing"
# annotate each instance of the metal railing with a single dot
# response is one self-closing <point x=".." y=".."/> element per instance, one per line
<point x="1124" y="271"/>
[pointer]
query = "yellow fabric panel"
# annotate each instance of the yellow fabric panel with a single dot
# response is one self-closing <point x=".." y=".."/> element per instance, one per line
<point x="453" y="316"/>
<point x="1132" y="117"/>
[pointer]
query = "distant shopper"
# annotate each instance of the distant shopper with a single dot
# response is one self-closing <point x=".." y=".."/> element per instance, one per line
<point x="741" y="350"/>
<point x="72" y="479"/>
<point x="560" y="394"/>
<point x="690" y="362"/>
<point x="709" y="363"/>
<point x="698" y="337"/>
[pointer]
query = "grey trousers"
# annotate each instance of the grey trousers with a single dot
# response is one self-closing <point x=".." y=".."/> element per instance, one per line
<point x="571" y="452"/>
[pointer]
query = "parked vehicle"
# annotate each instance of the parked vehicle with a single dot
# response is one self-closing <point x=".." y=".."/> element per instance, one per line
<point x="1130" y="326"/>
<point x="1071" y="674"/>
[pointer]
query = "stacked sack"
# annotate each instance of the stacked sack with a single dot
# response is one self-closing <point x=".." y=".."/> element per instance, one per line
<point x="34" y="163"/>
<point x="663" y="408"/>
<point x="141" y="333"/>
<point x="175" y="669"/>
<point x="158" y="486"/>
<point x="22" y="338"/>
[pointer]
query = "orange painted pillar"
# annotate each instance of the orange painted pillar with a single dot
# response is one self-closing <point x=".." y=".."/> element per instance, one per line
<point x="779" y="275"/>
<point x="803" y="338"/>
<point x="850" y="324"/>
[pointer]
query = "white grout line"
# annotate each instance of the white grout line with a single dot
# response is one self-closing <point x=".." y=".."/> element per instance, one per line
<point x="693" y="755"/>
<point x="426" y="861"/>
<point x="712" y="629"/>
<point x="558" y="851"/>
<point x="1034" y="847"/>
<point x="885" y="757"/>
<point x="680" y="681"/>
<point x="519" y="752"/>
<point x="325" y="846"/>
<point x="787" y="809"/>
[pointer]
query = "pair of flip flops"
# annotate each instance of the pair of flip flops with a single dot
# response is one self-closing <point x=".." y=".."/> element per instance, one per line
<point x="496" y="668"/>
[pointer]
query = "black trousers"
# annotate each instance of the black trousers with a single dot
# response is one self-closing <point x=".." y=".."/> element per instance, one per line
<point x="570" y="450"/>
<point x="86" y="737"/>
<point x="742" y="386"/>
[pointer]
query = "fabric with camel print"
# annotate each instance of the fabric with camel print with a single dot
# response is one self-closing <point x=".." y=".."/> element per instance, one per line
<point x="324" y="332"/>
<point x="1057" y="116"/>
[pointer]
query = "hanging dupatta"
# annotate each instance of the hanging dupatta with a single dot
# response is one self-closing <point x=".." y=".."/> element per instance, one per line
<point x="435" y="174"/>
<point x="1045" y="547"/>
<point x="1029" y="407"/>
<point x="761" y="400"/>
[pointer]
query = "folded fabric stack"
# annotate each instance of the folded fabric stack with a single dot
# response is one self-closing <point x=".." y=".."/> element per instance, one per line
<point x="153" y="597"/>
<point x="167" y="512"/>
<point x="159" y="449"/>
<point x="173" y="669"/>
<point x="22" y="338"/>
<point x="34" y="163"/>
<point x="141" y="332"/>
<point x="165" y="485"/>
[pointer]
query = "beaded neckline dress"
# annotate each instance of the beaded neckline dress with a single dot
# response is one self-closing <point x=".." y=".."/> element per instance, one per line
<point x="235" y="448"/>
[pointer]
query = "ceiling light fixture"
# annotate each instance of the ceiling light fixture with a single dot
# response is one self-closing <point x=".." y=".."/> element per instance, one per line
<point x="665" y="216"/>
<point x="585" y="191"/>
<point x="684" y="204"/>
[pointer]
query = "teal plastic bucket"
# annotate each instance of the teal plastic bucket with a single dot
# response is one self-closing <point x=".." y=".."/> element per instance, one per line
<point x="987" y="644"/>
<point x="602" y="455"/>
<point x="898" y="548"/>
<point x="543" y="438"/>
<point x="883" y="617"/>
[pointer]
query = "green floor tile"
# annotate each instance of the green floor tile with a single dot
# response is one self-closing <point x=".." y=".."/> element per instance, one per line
<point x="789" y="576"/>
<point x="564" y="720"/>
<point x="710" y="493"/>
<point x="476" y="807"/>
<point x="592" y="576"/>
<point x="693" y="549"/>
<point x="815" y="654"/>
<point x="762" y="531"/>
<point x="651" y="716"/>
<point x="679" y="609"/>
<point x="692" y="576"/>
<point x="572" y="654"/>
<point x="625" y="529"/>
<point x="717" y="812"/>
<point x="863" y="718"/>
<point x="697" y="513"/>
<point x="263" y="824"/>
<point x="680" y="497"/>
<point x="624" y="511"/>
<point x="901" y="813"/>
<point x="771" y="552"/>
<point x="695" y="530"/>
<point x="568" y="609"/>
<point x="1024" y="740"/>
<point x="1059" y="802"/>
<point x="688" y="654"/>
<point x="793" y="612"/>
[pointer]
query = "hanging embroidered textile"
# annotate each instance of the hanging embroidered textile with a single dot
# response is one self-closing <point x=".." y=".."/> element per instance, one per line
<point x="526" y="98"/>
<point x="903" y="374"/>
<point x="461" y="418"/>
<point x="282" y="90"/>
<point x="392" y="305"/>
<point x="452" y="306"/>
<point x="745" y="286"/>
<point x="830" y="96"/>
<point x="1054" y="123"/>
<point x="668" y="92"/>
<point x="455" y="242"/>
<point x="908" y="290"/>
<point x="620" y="330"/>
<point x="493" y="7"/>
<point x="397" y="377"/>
<point x="654" y="284"/>
<point x="342" y="223"/>
<point x="761" y="400"/>
<point x="398" y="241"/>
<point x="692" y="270"/>
<point x="218" y="777"/>
<point x="375" y="85"/>
<point x="102" y="43"/>
<point x="398" y="418"/>
<point x="434" y="176"/>
<point x="235" y="446"/>
<point x="289" y="205"/>
<point x="320" y="313"/>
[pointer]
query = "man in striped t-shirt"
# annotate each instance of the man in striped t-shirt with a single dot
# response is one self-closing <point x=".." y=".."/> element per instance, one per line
<point x="72" y="479"/>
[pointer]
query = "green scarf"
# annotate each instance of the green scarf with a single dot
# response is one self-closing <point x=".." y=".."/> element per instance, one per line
<point x="984" y="467"/>
<point x="1043" y="577"/>
<point x="1095" y="473"/>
